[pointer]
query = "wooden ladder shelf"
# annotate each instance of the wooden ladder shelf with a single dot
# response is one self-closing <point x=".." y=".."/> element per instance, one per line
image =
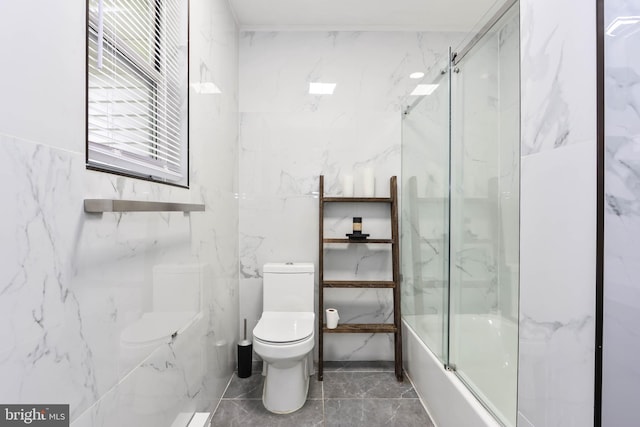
<point x="394" y="328"/>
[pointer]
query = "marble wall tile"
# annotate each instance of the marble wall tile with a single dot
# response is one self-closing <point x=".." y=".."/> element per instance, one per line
<point x="168" y="385"/>
<point x="77" y="281"/>
<point x="33" y="108"/>
<point x="621" y="379"/>
<point x="72" y="282"/>
<point x="288" y="138"/>
<point x="557" y="282"/>
<point x="282" y="154"/>
<point x="557" y="222"/>
<point x="41" y="325"/>
<point x="558" y="74"/>
<point x="369" y="68"/>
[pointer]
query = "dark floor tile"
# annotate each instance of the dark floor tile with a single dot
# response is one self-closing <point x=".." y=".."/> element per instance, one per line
<point x="245" y="388"/>
<point x="358" y="366"/>
<point x="375" y="413"/>
<point x="247" y="413"/>
<point x="251" y="388"/>
<point x="353" y="394"/>
<point x="360" y="385"/>
<point x="315" y="388"/>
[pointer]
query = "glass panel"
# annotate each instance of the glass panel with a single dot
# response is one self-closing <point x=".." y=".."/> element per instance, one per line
<point x="485" y="159"/>
<point x="621" y="304"/>
<point x="425" y="212"/>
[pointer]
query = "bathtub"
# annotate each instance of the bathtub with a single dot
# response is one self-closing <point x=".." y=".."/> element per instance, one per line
<point x="485" y="355"/>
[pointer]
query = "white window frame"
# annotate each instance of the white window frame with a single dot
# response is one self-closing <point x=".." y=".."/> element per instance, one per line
<point x="137" y="106"/>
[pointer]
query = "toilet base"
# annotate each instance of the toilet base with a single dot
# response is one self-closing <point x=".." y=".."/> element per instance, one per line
<point x="285" y="389"/>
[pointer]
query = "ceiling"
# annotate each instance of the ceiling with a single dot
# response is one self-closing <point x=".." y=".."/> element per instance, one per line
<point x="363" y="15"/>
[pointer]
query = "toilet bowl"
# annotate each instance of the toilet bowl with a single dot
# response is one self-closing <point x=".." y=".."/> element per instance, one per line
<point x="284" y="336"/>
<point x="284" y="341"/>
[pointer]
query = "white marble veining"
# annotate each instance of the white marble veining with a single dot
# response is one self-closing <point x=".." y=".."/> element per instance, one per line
<point x="72" y="282"/>
<point x="42" y="327"/>
<point x="621" y="378"/>
<point x="289" y="137"/>
<point x="557" y="223"/>
<point x="557" y="287"/>
<point x="558" y="74"/>
<point x="370" y="69"/>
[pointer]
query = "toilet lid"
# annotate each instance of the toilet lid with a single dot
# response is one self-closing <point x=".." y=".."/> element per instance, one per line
<point x="155" y="326"/>
<point x="284" y="327"/>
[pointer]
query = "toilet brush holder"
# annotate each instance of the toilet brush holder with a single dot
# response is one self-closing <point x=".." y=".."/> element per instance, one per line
<point x="245" y="355"/>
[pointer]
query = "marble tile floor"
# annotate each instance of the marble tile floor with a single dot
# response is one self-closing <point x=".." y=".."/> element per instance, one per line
<point x="352" y="394"/>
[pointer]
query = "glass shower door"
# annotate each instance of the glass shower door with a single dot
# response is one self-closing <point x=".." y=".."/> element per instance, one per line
<point x="485" y="160"/>
<point x="425" y="210"/>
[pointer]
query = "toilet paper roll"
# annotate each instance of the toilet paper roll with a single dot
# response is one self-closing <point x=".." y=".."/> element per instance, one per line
<point x="368" y="182"/>
<point x="347" y="185"/>
<point x="332" y="318"/>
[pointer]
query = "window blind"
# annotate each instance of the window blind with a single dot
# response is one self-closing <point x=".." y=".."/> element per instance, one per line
<point x="137" y="88"/>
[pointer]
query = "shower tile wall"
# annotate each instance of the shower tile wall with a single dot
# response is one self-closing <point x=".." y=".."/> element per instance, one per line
<point x="558" y="183"/>
<point x="288" y="138"/>
<point x="621" y="377"/>
<point x="71" y="282"/>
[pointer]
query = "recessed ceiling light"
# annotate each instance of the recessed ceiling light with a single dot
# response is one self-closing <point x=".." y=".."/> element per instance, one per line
<point x="317" y="88"/>
<point x="416" y="75"/>
<point x="424" y="90"/>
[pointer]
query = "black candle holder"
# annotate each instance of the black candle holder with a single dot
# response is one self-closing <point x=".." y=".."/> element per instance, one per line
<point x="357" y="230"/>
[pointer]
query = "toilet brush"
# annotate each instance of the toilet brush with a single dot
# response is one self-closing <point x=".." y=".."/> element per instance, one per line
<point x="245" y="355"/>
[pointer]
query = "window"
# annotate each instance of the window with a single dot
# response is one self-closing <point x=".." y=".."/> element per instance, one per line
<point x="137" y="76"/>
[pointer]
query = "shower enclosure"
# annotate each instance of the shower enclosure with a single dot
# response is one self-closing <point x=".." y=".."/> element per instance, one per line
<point x="460" y="213"/>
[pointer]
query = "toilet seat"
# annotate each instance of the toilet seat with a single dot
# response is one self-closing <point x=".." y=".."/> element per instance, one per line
<point x="283" y="327"/>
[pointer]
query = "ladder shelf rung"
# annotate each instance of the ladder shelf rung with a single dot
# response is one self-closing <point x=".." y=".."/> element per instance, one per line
<point x="359" y="241"/>
<point x="358" y="284"/>
<point x="357" y="199"/>
<point x="361" y="328"/>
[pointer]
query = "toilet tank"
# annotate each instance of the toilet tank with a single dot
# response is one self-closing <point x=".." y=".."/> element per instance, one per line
<point x="288" y="287"/>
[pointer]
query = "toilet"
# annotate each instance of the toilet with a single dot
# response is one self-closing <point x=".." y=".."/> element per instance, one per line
<point x="284" y="336"/>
